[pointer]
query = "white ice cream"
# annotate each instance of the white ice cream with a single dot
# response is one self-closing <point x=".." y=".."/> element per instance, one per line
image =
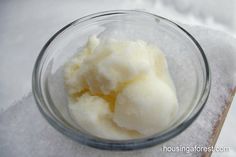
<point x="147" y="105"/>
<point x="120" y="89"/>
<point x="93" y="114"/>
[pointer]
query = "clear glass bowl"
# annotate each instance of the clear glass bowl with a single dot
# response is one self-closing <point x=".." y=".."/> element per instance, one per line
<point x="186" y="60"/>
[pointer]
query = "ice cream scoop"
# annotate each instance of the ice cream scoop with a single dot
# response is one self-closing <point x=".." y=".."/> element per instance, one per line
<point x="148" y="106"/>
<point x="120" y="89"/>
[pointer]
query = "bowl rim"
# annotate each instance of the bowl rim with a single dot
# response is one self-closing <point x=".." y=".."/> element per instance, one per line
<point x="107" y="144"/>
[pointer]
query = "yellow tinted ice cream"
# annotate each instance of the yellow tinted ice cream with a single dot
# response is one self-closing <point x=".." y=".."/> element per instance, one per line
<point x="120" y="89"/>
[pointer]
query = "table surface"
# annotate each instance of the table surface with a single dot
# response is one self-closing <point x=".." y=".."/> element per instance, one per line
<point x="26" y="26"/>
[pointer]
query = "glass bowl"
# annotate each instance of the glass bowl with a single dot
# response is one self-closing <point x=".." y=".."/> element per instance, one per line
<point x="186" y="61"/>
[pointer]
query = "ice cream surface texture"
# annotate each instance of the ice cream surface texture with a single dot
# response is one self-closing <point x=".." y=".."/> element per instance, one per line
<point x="120" y="89"/>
